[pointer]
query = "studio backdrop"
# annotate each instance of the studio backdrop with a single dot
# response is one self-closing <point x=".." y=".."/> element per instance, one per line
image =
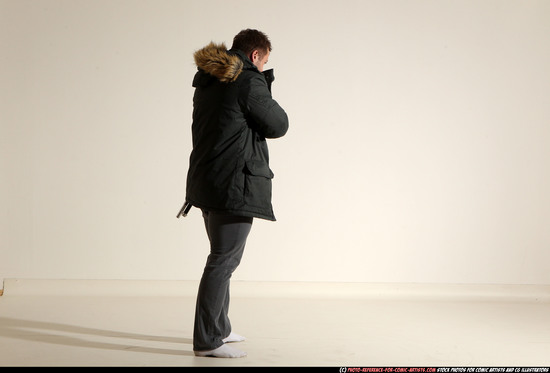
<point x="418" y="148"/>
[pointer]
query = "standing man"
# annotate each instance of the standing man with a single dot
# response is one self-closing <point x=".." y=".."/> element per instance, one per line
<point x="229" y="177"/>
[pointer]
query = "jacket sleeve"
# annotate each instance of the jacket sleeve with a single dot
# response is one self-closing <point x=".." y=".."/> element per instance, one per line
<point x="268" y="118"/>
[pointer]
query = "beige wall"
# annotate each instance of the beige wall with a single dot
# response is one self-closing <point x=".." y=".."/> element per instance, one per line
<point x="418" y="149"/>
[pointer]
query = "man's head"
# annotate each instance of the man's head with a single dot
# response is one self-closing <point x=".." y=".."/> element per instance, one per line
<point x="255" y="44"/>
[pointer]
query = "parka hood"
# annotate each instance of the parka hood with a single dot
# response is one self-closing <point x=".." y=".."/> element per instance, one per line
<point x="216" y="60"/>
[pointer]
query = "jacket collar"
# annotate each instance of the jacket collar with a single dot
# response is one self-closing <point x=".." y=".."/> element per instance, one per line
<point x="248" y="65"/>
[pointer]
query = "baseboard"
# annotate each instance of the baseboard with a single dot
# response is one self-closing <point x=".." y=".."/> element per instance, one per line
<point x="77" y="287"/>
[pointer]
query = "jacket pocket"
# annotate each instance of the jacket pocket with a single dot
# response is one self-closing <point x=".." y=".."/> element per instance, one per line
<point x="257" y="188"/>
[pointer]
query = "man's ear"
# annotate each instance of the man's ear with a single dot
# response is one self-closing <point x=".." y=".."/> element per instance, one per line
<point x="254" y="56"/>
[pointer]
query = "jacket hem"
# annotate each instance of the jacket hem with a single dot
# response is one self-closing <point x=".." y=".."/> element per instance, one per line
<point x="236" y="212"/>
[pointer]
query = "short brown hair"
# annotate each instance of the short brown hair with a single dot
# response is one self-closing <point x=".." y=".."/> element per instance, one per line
<point x="249" y="40"/>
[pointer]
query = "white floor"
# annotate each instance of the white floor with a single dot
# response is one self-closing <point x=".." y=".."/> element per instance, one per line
<point x="102" y="323"/>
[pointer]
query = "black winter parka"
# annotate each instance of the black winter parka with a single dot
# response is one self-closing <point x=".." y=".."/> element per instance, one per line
<point x="233" y="115"/>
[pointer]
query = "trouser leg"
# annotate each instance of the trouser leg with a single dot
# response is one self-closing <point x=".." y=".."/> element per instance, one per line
<point x="227" y="235"/>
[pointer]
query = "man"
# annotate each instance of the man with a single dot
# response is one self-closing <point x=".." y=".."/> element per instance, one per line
<point x="229" y="177"/>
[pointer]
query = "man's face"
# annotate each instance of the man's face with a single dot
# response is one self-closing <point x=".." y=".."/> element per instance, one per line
<point x="259" y="61"/>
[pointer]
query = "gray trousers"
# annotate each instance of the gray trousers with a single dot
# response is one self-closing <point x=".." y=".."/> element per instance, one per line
<point x="227" y="235"/>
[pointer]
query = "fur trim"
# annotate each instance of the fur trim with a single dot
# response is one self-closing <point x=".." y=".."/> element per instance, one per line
<point x="215" y="60"/>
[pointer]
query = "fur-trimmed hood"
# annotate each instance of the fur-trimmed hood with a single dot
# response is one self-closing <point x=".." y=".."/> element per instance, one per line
<point x="215" y="60"/>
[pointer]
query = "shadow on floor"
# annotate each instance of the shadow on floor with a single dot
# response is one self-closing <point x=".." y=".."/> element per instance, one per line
<point x="51" y="332"/>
